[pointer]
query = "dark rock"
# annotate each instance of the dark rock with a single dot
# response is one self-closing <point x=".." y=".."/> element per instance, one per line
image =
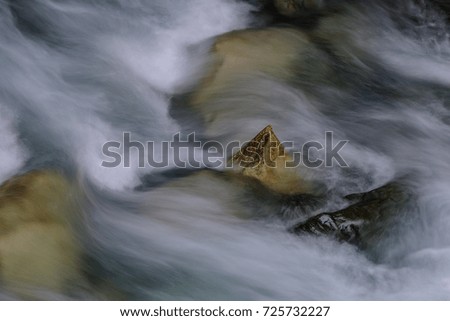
<point x="363" y="222"/>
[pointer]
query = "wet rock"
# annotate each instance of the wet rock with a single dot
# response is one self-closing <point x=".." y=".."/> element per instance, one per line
<point x="364" y="222"/>
<point x="38" y="249"/>
<point x="271" y="51"/>
<point x="265" y="159"/>
<point x="252" y="79"/>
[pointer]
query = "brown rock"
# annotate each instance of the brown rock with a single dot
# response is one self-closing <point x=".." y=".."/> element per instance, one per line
<point x="271" y="51"/>
<point x="265" y="159"/>
<point x="38" y="249"/>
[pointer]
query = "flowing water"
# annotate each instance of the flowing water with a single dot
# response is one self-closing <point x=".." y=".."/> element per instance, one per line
<point x="76" y="74"/>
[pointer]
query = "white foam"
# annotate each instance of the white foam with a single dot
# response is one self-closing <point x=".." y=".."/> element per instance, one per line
<point x="12" y="154"/>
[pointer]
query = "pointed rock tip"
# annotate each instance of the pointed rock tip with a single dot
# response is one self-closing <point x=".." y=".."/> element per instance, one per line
<point x="265" y="143"/>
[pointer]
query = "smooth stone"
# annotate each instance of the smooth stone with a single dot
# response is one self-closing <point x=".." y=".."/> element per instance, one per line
<point x="270" y="51"/>
<point x="38" y="248"/>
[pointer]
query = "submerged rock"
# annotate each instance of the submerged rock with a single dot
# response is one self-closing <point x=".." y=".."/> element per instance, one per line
<point x="253" y="79"/>
<point x="38" y="249"/>
<point x="260" y="182"/>
<point x="215" y="195"/>
<point x="271" y="51"/>
<point x="364" y="222"/>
